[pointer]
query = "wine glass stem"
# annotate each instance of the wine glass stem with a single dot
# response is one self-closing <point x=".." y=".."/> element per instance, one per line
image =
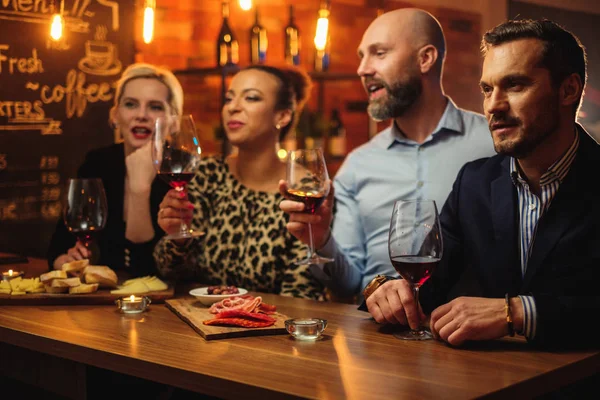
<point x="311" y="248"/>
<point x="183" y="228"/>
<point x="415" y="289"/>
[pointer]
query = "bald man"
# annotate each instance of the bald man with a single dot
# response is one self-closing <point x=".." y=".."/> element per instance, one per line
<point x="417" y="157"/>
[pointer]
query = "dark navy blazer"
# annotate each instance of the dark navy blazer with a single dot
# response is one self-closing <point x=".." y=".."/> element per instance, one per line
<point x="480" y="223"/>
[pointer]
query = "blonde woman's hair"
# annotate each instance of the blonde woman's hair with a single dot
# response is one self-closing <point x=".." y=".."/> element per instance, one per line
<point x="149" y="71"/>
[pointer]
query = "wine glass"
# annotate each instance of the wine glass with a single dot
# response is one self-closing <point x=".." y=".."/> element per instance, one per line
<point x="176" y="155"/>
<point x="415" y="247"/>
<point x="308" y="182"/>
<point x="86" y="212"/>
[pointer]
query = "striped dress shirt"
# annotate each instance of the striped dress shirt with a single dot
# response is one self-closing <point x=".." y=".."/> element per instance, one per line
<point x="531" y="209"/>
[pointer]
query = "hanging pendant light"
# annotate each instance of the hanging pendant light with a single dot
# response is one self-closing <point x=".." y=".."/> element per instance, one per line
<point x="245" y="4"/>
<point x="58" y="22"/>
<point x="322" y="38"/>
<point x="149" y="8"/>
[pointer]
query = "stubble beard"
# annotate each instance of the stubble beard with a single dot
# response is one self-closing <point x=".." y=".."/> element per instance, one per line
<point x="400" y="97"/>
<point x="529" y="138"/>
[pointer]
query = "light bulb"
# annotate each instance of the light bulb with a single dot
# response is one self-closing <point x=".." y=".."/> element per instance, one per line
<point x="322" y="30"/>
<point x="56" y="28"/>
<point x="245" y="4"/>
<point x="148" y="24"/>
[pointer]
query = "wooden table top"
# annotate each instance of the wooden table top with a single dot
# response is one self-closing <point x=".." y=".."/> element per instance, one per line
<point x="356" y="359"/>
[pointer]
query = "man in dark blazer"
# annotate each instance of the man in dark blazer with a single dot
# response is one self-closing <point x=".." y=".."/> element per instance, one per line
<point x="526" y="222"/>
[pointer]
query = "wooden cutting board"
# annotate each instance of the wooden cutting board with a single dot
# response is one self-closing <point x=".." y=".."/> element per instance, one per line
<point x="100" y="297"/>
<point x="193" y="312"/>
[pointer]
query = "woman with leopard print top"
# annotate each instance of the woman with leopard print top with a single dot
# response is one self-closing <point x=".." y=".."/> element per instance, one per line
<point x="235" y="200"/>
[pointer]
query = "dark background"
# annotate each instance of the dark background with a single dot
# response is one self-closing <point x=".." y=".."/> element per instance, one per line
<point x="39" y="153"/>
<point x="585" y="27"/>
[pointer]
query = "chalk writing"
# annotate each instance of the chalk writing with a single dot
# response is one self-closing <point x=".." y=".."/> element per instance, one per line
<point x="50" y="178"/>
<point x="76" y="94"/>
<point x="30" y="65"/>
<point x="49" y="162"/>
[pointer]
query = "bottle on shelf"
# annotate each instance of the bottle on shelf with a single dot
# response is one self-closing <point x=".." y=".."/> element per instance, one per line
<point x="227" y="44"/>
<point x="336" y="135"/>
<point x="258" y="41"/>
<point x="292" y="41"/>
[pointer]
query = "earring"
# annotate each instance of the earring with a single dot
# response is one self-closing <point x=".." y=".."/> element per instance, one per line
<point x="278" y="127"/>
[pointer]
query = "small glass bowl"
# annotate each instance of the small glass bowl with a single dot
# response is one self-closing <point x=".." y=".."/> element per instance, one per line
<point x="133" y="304"/>
<point x="306" y="328"/>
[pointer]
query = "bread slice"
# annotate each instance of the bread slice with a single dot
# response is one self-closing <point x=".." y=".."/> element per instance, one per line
<point x="100" y="274"/>
<point x="50" y="289"/>
<point x="74" y="268"/>
<point x="56" y="274"/>
<point x="84" y="288"/>
<point x="69" y="282"/>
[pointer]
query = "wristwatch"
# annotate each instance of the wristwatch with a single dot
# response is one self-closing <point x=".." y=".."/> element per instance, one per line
<point x="374" y="284"/>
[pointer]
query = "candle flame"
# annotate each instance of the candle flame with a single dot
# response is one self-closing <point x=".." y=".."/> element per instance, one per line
<point x="10" y="272"/>
<point x="131" y="298"/>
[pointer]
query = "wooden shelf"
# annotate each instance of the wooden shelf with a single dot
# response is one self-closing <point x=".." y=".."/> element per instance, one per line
<point x="232" y="70"/>
<point x="212" y="71"/>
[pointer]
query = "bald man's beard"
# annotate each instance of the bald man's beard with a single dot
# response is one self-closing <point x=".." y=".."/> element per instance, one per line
<point x="400" y="97"/>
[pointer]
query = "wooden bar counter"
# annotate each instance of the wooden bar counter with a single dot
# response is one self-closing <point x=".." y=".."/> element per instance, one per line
<point x="356" y="358"/>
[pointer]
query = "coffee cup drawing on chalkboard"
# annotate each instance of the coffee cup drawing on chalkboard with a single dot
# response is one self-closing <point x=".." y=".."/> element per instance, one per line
<point x="100" y="56"/>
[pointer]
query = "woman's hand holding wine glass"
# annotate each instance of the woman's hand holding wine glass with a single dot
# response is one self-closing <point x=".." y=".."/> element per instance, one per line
<point x="176" y="154"/>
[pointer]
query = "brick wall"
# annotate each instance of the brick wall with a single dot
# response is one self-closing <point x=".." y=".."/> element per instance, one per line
<point x="186" y="32"/>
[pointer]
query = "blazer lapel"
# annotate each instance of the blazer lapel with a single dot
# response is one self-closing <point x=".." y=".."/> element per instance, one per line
<point x="506" y="265"/>
<point x="566" y="208"/>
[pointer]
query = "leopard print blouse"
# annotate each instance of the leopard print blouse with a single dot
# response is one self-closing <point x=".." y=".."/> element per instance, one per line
<point x="246" y="242"/>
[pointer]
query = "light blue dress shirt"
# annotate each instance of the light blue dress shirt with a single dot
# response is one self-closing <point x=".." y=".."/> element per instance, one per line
<point x="391" y="167"/>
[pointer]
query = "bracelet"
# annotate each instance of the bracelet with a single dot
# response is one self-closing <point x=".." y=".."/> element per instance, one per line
<point x="509" y="321"/>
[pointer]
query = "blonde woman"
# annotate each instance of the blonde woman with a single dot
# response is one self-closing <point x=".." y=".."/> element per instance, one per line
<point x="144" y="92"/>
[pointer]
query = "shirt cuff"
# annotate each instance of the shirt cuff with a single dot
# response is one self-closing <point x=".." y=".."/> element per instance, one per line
<point x="529" y="317"/>
<point x="329" y="248"/>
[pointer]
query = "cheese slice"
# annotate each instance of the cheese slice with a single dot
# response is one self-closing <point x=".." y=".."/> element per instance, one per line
<point x="133" y="288"/>
<point x="153" y="283"/>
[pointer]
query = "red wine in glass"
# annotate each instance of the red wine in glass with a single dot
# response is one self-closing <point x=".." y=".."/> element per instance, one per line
<point x="307" y="181"/>
<point x="177" y="181"/>
<point x="312" y="200"/>
<point x="86" y="212"/>
<point x="176" y="155"/>
<point x="415" y="269"/>
<point x="415" y="248"/>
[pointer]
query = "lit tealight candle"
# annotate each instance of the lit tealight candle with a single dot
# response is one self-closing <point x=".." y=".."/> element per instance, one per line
<point x="10" y="274"/>
<point x="133" y="304"/>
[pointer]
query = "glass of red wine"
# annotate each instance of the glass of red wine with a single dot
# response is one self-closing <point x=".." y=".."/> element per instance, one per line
<point x="308" y="182"/>
<point x="86" y="212"/>
<point x="176" y="155"/>
<point x="415" y="247"/>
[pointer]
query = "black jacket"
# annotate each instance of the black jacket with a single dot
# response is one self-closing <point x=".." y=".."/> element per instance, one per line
<point x="480" y="232"/>
<point x="108" y="164"/>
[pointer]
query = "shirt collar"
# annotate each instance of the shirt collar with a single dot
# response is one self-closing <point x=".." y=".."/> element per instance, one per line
<point x="557" y="171"/>
<point x="450" y="122"/>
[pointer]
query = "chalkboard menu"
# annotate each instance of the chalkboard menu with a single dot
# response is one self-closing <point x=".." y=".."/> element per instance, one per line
<point x="54" y="102"/>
